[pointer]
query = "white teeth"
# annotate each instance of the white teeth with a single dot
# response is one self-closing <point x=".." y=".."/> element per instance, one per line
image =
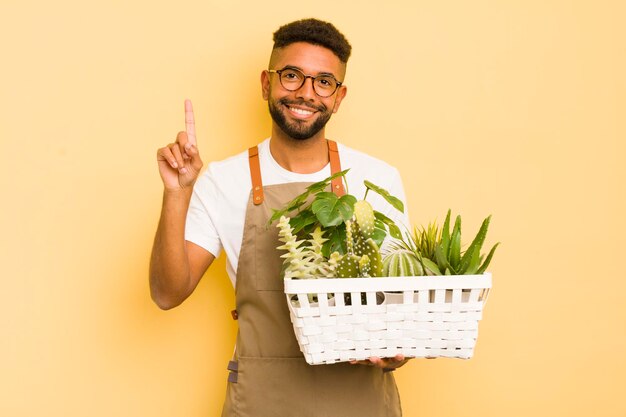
<point x="300" y="111"/>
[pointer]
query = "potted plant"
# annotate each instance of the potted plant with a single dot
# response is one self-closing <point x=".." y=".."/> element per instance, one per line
<point x="413" y="298"/>
<point x="433" y="251"/>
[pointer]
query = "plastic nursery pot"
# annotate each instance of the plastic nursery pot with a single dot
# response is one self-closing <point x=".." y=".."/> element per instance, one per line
<point x="312" y="301"/>
<point x="380" y="298"/>
<point x="397" y="297"/>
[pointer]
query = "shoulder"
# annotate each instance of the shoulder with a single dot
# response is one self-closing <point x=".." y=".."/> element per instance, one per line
<point x="366" y="167"/>
<point x="362" y="164"/>
<point x="229" y="166"/>
<point x="224" y="176"/>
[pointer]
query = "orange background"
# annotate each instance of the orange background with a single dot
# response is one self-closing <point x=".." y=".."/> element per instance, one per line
<point x="509" y="108"/>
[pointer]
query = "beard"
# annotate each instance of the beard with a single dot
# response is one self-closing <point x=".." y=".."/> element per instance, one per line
<point x="298" y="129"/>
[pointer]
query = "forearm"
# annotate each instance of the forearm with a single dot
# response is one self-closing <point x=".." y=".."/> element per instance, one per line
<point x="170" y="280"/>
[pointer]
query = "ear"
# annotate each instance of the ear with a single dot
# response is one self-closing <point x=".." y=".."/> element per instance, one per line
<point x="265" y="84"/>
<point x="341" y="93"/>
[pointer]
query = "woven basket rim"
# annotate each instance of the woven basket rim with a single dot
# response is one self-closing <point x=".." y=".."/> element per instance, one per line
<point x="326" y="285"/>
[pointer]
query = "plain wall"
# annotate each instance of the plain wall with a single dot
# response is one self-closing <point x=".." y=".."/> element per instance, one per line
<point x="509" y="108"/>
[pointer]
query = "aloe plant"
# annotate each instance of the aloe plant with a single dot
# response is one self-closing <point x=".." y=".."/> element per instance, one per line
<point x="439" y="251"/>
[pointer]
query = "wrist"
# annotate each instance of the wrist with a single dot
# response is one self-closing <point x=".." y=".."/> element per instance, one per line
<point x="177" y="194"/>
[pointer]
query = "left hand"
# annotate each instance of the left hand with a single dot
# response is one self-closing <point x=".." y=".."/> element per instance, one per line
<point x="389" y="363"/>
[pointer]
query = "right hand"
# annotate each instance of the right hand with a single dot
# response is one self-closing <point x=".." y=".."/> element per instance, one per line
<point x="179" y="162"/>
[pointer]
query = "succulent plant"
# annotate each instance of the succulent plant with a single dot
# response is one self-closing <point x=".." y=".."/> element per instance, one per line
<point x="334" y="236"/>
<point x="303" y="261"/>
<point x="402" y="263"/>
<point x="439" y="251"/>
<point x="448" y="254"/>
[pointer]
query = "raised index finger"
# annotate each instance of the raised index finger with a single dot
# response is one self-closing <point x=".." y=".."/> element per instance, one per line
<point x="190" y="123"/>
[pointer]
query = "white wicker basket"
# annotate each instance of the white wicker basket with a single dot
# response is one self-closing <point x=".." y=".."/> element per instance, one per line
<point x="355" y="318"/>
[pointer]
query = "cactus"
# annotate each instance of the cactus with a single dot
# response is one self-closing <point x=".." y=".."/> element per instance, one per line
<point x="372" y="251"/>
<point x="359" y="245"/>
<point x="364" y="216"/>
<point x="364" y="266"/>
<point x="350" y="235"/>
<point x="307" y="261"/>
<point x="402" y="263"/>
<point x="348" y="266"/>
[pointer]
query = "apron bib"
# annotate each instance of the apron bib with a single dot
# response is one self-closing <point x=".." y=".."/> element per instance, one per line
<point x="269" y="376"/>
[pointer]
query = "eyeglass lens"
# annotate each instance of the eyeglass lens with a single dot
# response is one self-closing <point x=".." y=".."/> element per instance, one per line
<point x="292" y="80"/>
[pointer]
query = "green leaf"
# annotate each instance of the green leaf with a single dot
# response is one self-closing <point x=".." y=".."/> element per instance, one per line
<point x="430" y="266"/>
<point x="332" y="210"/>
<point x="321" y="185"/>
<point x="445" y="235"/>
<point x="294" y="204"/>
<point x="440" y="256"/>
<point x="475" y="246"/>
<point x="473" y="265"/>
<point x="380" y="232"/>
<point x="300" y="200"/>
<point x="336" y="241"/>
<point x="277" y="214"/>
<point x="485" y="264"/>
<point x="394" y="230"/>
<point x="317" y="187"/>
<point x="394" y="201"/>
<point x="302" y="220"/>
<point x="454" y="257"/>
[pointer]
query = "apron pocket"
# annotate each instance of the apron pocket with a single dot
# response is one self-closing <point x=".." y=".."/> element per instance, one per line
<point x="289" y="387"/>
<point x="272" y="387"/>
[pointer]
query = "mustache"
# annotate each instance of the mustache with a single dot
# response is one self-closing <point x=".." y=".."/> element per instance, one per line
<point x="302" y="103"/>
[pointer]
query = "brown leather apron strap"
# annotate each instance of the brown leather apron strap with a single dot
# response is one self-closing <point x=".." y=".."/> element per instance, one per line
<point x="255" y="174"/>
<point x="335" y="167"/>
<point x="257" y="183"/>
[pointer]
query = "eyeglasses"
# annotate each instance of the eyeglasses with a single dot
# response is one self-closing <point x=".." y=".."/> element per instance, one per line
<point x="293" y="79"/>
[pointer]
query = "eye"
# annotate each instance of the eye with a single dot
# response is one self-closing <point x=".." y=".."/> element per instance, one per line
<point x="326" y="82"/>
<point x="291" y="75"/>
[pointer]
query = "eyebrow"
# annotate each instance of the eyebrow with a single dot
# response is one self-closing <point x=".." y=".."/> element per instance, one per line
<point x="318" y="74"/>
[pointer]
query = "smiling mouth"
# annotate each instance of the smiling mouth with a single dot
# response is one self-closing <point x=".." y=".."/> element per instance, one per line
<point x="301" y="112"/>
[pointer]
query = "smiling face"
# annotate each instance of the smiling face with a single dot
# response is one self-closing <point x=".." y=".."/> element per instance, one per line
<point x="302" y="114"/>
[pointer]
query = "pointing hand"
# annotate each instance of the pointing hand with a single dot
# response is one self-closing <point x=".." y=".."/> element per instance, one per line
<point x="179" y="162"/>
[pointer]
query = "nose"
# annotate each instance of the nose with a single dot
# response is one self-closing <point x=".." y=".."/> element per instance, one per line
<point x="306" y="91"/>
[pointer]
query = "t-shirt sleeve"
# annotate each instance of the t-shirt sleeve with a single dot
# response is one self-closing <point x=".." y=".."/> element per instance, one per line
<point x="203" y="214"/>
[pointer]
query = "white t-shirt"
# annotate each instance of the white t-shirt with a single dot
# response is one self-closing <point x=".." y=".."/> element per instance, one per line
<point x="216" y="215"/>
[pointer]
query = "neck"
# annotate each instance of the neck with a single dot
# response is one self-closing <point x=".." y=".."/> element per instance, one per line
<point x="299" y="156"/>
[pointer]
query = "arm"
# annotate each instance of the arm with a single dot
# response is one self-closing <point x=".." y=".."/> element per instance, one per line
<point x="176" y="266"/>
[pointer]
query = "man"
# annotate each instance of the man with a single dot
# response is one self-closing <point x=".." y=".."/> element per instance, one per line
<point x="228" y="207"/>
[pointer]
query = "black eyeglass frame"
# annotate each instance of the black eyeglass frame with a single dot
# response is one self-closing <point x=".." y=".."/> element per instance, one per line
<point x="280" y="71"/>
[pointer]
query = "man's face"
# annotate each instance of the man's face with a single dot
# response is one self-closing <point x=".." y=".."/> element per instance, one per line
<point x="301" y="114"/>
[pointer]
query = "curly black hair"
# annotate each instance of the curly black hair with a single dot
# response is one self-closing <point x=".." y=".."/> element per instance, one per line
<point x="316" y="32"/>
